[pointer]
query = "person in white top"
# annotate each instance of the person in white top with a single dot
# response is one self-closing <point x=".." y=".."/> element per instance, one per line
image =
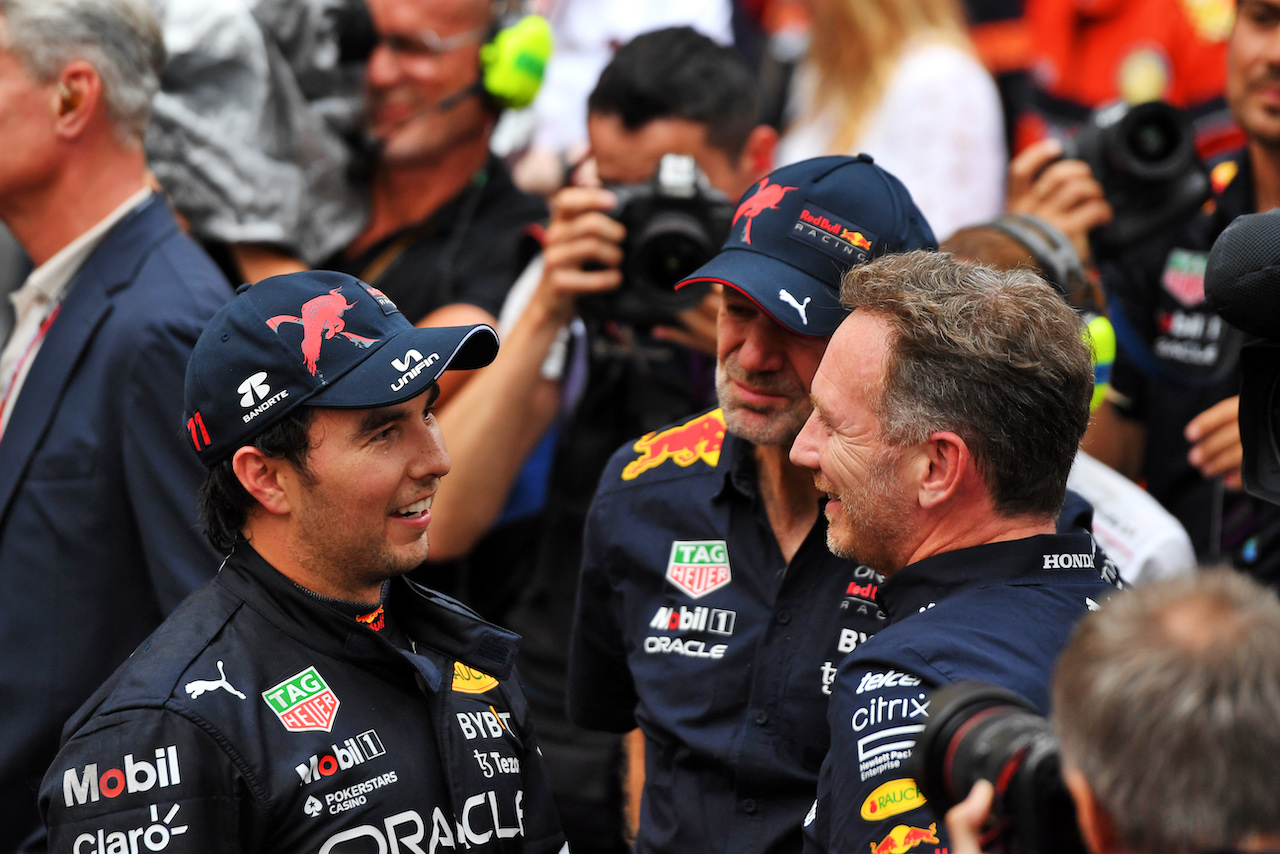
<point x="898" y="79"/>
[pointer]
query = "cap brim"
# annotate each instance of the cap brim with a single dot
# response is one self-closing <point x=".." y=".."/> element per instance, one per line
<point x="407" y="364"/>
<point x="812" y="309"/>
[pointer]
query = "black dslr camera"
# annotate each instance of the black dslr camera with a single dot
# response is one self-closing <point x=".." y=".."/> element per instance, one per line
<point x="977" y="732"/>
<point x="675" y="223"/>
<point x="1144" y="156"/>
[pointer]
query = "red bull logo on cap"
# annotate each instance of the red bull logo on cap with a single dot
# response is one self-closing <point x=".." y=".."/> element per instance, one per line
<point x="698" y="439"/>
<point x="856" y="238"/>
<point x="833" y="234"/>
<point x="321" y="319"/>
<point x="903" y="838"/>
<point x="765" y="198"/>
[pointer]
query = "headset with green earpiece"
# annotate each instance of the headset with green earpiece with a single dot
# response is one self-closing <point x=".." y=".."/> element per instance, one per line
<point x="514" y="60"/>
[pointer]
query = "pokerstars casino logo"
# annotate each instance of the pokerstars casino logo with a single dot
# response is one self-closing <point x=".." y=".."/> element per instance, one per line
<point x="87" y="785"/>
<point x="303" y="702"/>
<point x="699" y="566"/>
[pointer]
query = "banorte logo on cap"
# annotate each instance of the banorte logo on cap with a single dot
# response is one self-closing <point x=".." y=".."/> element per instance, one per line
<point x="321" y="320"/>
<point x="765" y="198"/>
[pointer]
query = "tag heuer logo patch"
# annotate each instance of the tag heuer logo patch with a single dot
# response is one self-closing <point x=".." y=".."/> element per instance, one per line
<point x="1184" y="276"/>
<point x="698" y="566"/>
<point x="303" y="702"/>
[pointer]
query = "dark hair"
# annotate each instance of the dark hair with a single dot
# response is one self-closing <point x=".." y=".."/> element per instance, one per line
<point x="678" y="73"/>
<point x="999" y="358"/>
<point x="225" y="503"/>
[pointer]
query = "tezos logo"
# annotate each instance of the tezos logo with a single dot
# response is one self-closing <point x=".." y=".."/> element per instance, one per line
<point x="411" y="365"/>
<point x="352" y="752"/>
<point x="253" y="389"/>
<point x="155" y="836"/>
<point x="88" y="785"/>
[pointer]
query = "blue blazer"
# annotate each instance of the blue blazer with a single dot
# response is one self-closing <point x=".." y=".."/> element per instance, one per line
<point x="98" y="533"/>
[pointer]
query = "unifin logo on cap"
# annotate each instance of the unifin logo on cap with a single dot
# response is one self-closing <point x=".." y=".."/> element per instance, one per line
<point x="766" y="197"/>
<point x="834" y="235"/>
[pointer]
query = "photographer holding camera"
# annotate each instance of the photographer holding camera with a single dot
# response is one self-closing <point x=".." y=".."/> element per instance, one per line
<point x="1172" y="416"/>
<point x="1167" y="710"/>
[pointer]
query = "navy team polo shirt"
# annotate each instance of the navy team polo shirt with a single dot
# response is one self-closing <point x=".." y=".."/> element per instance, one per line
<point x="690" y="625"/>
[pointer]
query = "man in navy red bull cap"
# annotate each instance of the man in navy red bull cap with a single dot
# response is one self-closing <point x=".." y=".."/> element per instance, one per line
<point x="710" y="613"/>
<point x="310" y="695"/>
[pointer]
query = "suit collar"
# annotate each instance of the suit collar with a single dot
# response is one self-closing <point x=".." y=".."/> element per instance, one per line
<point x="89" y="301"/>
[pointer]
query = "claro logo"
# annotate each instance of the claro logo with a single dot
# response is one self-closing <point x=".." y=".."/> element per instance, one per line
<point x="86" y="785"/>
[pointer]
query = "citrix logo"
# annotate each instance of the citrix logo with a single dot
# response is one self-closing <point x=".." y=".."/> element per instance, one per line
<point x="140" y="776"/>
<point x="254" y="389"/>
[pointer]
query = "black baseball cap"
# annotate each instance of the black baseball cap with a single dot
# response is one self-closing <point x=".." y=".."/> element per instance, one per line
<point x="320" y="338"/>
<point x="798" y="231"/>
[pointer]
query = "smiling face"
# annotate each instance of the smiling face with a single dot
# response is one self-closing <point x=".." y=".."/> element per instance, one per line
<point x="362" y="514"/>
<point x="870" y="505"/>
<point x="763" y="372"/>
<point x="428" y="53"/>
<point x="1253" y="70"/>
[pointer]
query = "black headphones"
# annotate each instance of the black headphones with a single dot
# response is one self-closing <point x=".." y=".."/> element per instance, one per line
<point x="1053" y="254"/>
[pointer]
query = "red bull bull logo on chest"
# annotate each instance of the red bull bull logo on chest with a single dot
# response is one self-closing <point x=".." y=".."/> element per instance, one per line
<point x="699" y="439"/>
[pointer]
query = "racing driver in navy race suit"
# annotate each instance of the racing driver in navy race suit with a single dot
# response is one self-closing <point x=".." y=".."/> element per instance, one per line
<point x="310" y="698"/>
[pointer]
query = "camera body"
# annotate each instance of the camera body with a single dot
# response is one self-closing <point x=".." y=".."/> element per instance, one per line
<point x="675" y="223"/>
<point x="977" y="732"/>
<point x="1144" y="157"/>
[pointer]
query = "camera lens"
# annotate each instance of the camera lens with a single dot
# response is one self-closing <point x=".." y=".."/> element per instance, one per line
<point x="671" y="246"/>
<point x="982" y="732"/>
<point x="1154" y="143"/>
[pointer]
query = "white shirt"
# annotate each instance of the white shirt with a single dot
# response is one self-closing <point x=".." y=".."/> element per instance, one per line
<point x="1146" y="541"/>
<point x="938" y="128"/>
<point x="40" y="296"/>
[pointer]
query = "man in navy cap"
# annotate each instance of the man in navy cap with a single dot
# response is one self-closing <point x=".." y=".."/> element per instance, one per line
<point x="310" y="697"/>
<point x="710" y="613"/>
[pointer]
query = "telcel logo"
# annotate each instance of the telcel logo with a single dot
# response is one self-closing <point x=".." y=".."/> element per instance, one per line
<point x="88" y="785"/>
